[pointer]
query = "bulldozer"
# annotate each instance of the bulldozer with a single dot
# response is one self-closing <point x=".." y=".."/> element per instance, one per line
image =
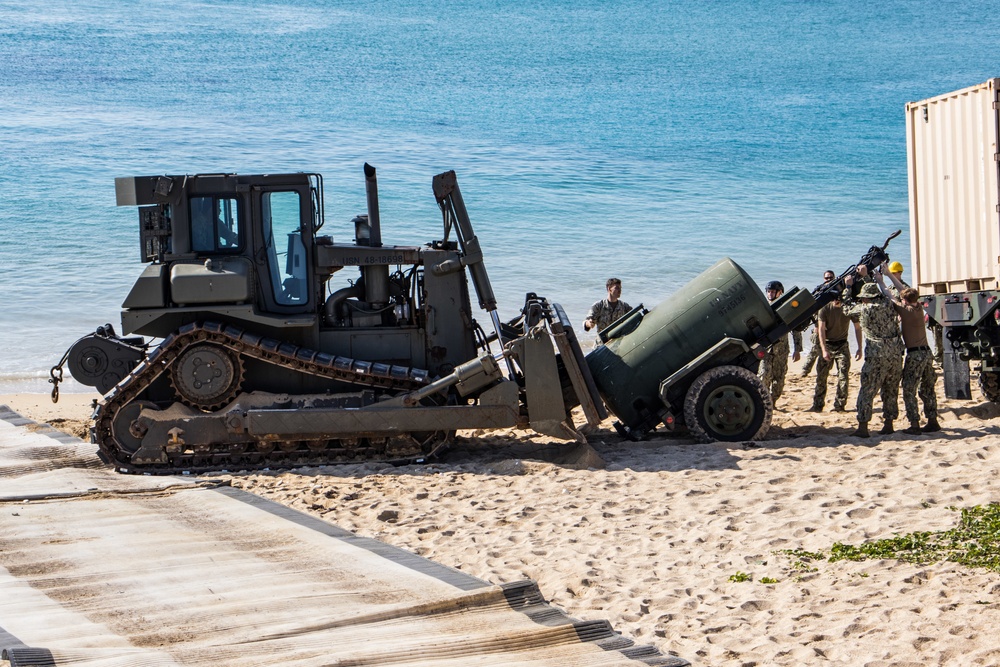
<point x="263" y="360"/>
<point x="242" y="349"/>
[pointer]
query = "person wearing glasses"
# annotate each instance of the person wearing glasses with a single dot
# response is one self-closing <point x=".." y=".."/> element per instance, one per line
<point x="814" y="348"/>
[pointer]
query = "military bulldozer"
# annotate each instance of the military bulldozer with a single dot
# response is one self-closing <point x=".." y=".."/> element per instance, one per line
<point x="263" y="359"/>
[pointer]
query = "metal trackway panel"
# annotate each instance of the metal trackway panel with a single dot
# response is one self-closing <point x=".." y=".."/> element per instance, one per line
<point x="105" y="570"/>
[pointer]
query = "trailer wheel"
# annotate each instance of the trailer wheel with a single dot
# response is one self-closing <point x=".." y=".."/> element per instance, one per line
<point x="729" y="404"/>
<point x="989" y="384"/>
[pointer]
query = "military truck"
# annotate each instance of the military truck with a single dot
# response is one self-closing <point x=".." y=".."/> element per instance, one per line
<point x="242" y="350"/>
<point x="952" y="168"/>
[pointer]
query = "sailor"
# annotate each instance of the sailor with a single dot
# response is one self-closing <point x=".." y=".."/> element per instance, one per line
<point x="883" y="367"/>
<point x="896" y="270"/>
<point x="774" y="365"/>
<point x="814" y="346"/>
<point x="833" y="328"/>
<point x="604" y="312"/>
<point x="918" y="369"/>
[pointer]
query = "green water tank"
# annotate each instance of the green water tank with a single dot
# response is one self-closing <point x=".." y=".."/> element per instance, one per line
<point x="644" y="348"/>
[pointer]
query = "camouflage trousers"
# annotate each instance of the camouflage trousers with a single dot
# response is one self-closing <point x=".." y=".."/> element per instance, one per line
<point x="840" y="354"/>
<point x="814" y="353"/>
<point x="918" y="379"/>
<point x="939" y="344"/>
<point x="774" y="367"/>
<point x="881" y="374"/>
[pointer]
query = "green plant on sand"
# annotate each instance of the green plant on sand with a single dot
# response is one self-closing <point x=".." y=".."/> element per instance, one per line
<point x="975" y="542"/>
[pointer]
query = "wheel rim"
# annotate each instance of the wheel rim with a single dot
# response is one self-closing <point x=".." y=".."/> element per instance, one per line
<point x="207" y="376"/>
<point x="126" y="429"/>
<point x="729" y="410"/>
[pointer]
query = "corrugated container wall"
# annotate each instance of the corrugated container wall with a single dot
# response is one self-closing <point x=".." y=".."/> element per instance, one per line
<point x="951" y="152"/>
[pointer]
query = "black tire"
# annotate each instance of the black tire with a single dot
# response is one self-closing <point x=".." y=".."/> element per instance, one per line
<point x="728" y="404"/>
<point x="989" y="384"/>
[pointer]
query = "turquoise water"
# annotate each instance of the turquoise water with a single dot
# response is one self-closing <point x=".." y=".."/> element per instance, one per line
<point x="643" y="140"/>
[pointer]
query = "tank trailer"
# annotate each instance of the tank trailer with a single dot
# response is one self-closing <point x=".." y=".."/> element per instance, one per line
<point x="262" y="359"/>
<point x="693" y="359"/>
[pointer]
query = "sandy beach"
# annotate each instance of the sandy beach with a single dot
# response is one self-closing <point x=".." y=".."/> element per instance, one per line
<point x="684" y="545"/>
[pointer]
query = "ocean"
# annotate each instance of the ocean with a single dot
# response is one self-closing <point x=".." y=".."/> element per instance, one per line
<point x="639" y="139"/>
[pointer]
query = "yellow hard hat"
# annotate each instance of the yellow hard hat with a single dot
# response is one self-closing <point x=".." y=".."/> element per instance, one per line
<point x="895" y="267"/>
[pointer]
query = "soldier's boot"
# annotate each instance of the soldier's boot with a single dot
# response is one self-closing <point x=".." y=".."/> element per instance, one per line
<point x="931" y="426"/>
<point x="815" y="407"/>
<point x="914" y="428"/>
<point x="861" y="431"/>
<point x="887" y="428"/>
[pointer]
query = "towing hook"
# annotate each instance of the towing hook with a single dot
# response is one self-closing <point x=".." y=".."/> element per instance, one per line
<point x="56" y="372"/>
<point x="55" y="377"/>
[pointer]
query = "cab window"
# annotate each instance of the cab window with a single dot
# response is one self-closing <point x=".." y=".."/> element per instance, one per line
<point x="214" y="224"/>
<point x="286" y="253"/>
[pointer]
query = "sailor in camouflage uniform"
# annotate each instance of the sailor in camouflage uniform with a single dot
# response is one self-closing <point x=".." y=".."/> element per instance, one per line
<point x="814" y="347"/>
<point x="883" y="366"/>
<point x="774" y="365"/>
<point x="606" y="311"/>
<point x="918" y="370"/>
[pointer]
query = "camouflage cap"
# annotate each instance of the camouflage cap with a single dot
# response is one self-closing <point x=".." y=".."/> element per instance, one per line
<point x="870" y="291"/>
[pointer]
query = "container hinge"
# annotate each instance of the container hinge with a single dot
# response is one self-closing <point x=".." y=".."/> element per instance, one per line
<point x="996" y="105"/>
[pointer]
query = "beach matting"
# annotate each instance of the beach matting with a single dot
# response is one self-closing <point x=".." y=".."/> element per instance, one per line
<point x="685" y="546"/>
<point x="99" y="569"/>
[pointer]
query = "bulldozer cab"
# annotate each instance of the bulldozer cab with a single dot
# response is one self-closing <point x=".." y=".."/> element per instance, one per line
<point x="283" y="218"/>
<point x="228" y="239"/>
<point x="215" y="224"/>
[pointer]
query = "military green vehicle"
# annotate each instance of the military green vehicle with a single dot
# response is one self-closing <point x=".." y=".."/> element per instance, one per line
<point x="693" y="359"/>
<point x="265" y="359"/>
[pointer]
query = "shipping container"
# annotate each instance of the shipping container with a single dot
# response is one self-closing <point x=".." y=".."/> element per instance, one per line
<point x="952" y="164"/>
<point x="951" y="152"/>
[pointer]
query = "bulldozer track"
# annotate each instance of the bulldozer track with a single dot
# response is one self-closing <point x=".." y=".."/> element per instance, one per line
<point x="250" y="453"/>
